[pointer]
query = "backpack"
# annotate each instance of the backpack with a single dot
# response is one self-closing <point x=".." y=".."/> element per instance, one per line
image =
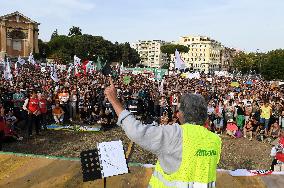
<point x="238" y="134"/>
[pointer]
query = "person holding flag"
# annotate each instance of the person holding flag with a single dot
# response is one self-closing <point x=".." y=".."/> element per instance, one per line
<point x="53" y="74"/>
<point x="188" y="154"/>
<point x="31" y="59"/>
<point x="7" y="72"/>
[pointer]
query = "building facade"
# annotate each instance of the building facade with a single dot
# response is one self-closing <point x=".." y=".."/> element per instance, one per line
<point x="18" y="35"/>
<point x="227" y="55"/>
<point x="204" y="53"/>
<point x="150" y="53"/>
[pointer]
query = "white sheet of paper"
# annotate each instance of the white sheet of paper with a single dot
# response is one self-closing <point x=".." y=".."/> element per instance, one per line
<point x="112" y="158"/>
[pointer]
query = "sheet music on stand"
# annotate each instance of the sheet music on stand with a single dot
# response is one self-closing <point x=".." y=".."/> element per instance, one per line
<point x="112" y="158"/>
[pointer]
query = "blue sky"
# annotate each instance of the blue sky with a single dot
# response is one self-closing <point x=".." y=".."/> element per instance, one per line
<point x="243" y="24"/>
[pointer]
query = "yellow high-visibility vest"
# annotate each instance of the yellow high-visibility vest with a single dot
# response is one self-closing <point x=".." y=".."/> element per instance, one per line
<point x="201" y="151"/>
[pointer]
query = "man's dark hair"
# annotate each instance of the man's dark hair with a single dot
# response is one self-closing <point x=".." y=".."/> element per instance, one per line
<point x="194" y="109"/>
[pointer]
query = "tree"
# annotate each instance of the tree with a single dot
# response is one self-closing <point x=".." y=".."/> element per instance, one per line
<point x="43" y="50"/>
<point x="73" y="31"/>
<point x="170" y="49"/>
<point x="88" y="47"/>
<point x="272" y="65"/>
<point x="129" y="56"/>
<point x="61" y="48"/>
<point x="54" y="34"/>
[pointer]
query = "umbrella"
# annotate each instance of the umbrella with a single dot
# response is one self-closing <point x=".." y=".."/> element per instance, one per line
<point x="249" y="82"/>
<point x="235" y="84"/>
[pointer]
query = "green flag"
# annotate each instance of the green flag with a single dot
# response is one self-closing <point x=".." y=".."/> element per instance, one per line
<point x="99" y="64"/>
<point x="159" y="73"/>
<point x="126" y="80"/>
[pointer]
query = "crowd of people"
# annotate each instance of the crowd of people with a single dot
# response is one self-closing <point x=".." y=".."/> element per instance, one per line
<point x="32" y="100"/>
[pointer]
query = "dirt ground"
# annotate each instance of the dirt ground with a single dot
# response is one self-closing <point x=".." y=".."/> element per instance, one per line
<point x="26" y="172"/>
<point x="236" y="153"/>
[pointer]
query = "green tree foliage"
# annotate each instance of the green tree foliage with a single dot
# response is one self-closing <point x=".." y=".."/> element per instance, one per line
<point x="43" y="50"/>
<point x="73" y="31"/>
<point x="88" y="47"/>
<point x="128" y="55"/>
<point x="246" y="62"/>
<point x="54" y="34"/>
<point x="270" y="65"/>
<point x="171" y="48"/>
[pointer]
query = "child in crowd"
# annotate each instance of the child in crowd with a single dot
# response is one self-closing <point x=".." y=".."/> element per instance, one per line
<point x="11" y="120"/>
<point x="261" y="132"/>
<point x="248" y="128"/>
<point x="58" y="114"/>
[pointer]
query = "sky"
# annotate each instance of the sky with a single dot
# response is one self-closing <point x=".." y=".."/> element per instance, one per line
<point x="243" y="24"/>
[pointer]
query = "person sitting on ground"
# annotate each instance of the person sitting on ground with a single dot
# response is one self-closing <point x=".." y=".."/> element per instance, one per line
<point x="95" y="115"/>
<point x="11" y="120"/>
<point x="261" y="132"/>
<point x="248" y="128"/>
<point x="279" y="157"/>
<point x="232" y="128"/>
<point x="58" y="114"/>
<point x="255" y="125"/>
<point x="274" y="132"/>
<point x="164" y="120"/>
<point x="2" y="125"/>
<point x="6" y="133"/>
<point x="106" y="120"/>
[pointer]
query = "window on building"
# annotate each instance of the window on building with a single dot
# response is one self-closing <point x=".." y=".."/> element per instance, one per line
<point x="17" y="45"/>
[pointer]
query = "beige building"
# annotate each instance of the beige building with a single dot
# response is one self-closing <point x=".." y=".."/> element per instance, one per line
<point x="204" y="53"/>
<point x="19" y="35"/>
<point x="150" y="52"/>
<point x="227" y="55"/>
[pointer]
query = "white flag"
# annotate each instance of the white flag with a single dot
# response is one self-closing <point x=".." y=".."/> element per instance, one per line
<point x="121" y="68"/>
<point x="77" y="61"/>
<point x="69" y="70"/>
<point x="21" y="61"/>
<point x="16" y="69"/>
<point x="7" y="72"/>
<point x="179" y="63"/>
<point x="31" y="59"/>
<point x="53" y="74"/>
<point x="90" y="67"/>
<point x="161" y="87"/>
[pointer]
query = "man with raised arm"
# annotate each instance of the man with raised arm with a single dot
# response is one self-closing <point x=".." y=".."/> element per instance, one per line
<point x="188" y="154"/>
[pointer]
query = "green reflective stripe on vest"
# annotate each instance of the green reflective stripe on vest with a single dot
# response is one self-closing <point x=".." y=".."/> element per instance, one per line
<point x="200" y="155"/>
